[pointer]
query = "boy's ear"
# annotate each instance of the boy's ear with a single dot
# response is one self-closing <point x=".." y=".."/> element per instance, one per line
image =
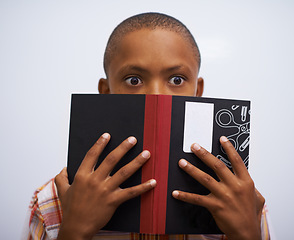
<point x="103" y="86"/>
<point x="200" y="87"/>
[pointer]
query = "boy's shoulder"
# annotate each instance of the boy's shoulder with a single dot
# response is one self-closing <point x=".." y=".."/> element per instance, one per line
<point x="43" y="194"/>
<point x="45" y="209"/>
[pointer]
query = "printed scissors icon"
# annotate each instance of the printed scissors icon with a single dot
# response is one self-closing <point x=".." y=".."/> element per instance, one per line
<point x="225" y="119"/>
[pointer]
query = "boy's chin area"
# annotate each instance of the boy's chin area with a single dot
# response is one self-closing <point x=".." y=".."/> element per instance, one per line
<point x="104" y="88"/>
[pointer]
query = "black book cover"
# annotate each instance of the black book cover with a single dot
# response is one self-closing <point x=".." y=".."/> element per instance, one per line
<point x="172" y="124"/>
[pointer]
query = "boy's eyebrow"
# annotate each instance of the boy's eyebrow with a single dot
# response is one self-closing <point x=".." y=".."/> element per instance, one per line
<point x="177" y="67"/>
<point x="141" y="69"/>
<point x="127" y="68"/>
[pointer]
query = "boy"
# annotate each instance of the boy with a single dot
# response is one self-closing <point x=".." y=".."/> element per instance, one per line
<point x="149" y="53"/>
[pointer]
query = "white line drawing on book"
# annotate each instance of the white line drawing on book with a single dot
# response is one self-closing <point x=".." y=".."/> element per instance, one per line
<point x="228" y="163"/>
<point x="234" y="107"/>
<point x="243" y="113"/>
<point x="225" y="119"/>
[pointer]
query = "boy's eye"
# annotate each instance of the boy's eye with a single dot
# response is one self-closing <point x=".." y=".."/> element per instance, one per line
<point x="133" y="81"/>
<point x="176" y="80"/>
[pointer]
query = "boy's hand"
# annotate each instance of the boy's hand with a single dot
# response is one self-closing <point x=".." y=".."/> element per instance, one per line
<point x="234" y="202"/>
<point x="91" y="200"/>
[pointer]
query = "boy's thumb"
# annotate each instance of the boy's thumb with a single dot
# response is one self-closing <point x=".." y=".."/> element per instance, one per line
<point x="62" y="184"/>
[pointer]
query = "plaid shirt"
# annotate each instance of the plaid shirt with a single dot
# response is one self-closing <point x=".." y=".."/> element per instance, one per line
<point x="45" y="216"/>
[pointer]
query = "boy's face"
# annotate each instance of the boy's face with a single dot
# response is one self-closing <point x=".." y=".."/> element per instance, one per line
<point x="153" y="62"/>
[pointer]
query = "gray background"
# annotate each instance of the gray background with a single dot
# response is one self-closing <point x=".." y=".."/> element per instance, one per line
<point x="50" y="49"/>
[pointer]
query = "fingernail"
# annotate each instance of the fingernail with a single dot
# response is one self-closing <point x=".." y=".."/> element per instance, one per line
<point x="153" y="183"/>
<point x="145" y="154"/>
<point x="183" y="163"/>
<point x="224" y="139"/>
<point x="175" y="193"/>
<point x="196" y="146"/>
<point x="132" y="140"/>
<point x="106" y="135"/>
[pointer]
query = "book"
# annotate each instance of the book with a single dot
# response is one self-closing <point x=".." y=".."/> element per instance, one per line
<point x="166" y="126"/>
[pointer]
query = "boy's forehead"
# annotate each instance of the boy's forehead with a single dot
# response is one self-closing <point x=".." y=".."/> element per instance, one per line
<point x="156" y="45"/>
<point x="154" y="35"/>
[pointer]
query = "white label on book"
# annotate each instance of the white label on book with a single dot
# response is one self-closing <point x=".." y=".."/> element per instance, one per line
<point x="198" y="125"/>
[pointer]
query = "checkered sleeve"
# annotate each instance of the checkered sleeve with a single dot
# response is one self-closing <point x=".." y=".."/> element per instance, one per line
<point x="265" y="231"/>
<point x="45" y="213"/>
<point x="36" y="220"/>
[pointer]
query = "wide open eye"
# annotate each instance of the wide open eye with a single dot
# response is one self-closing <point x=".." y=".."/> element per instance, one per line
<point x="134" y="81"/>
<point x="177" y="80"/>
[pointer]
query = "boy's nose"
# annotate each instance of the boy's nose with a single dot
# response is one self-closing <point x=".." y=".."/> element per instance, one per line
<point x="155" y="87"/>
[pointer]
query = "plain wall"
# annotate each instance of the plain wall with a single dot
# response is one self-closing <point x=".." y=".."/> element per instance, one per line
<point x="50" y="49"/>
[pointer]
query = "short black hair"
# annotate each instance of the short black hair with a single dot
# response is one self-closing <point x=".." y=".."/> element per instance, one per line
<point x="150" y="20"/>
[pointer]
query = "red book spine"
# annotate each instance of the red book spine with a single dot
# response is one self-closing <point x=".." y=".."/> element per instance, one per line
<point x="157" y="127"/>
